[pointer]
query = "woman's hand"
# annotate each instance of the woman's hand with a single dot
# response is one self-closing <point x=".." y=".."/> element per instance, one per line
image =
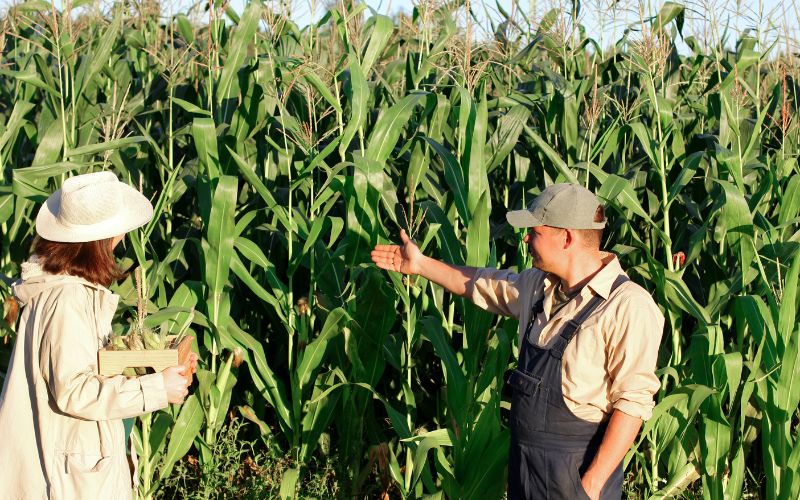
<point x="193" y="362"/>
<point x="176" y="383"/>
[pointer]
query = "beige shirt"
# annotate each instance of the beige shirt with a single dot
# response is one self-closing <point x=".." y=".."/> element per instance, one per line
<point x="610" y="364"/>
<point x="60" y="421"/>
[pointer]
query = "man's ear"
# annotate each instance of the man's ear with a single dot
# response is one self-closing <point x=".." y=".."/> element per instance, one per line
<point x="569" y="238"/>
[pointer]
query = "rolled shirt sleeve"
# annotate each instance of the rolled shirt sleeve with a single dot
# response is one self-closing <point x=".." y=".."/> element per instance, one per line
<point x="68" y="362"/>
<point x="632" y="353"/>
<point x="496" y="291"/>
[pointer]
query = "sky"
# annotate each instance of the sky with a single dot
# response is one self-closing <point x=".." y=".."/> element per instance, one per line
<point x="703" y="16"/>
<point x="775" y="15"/>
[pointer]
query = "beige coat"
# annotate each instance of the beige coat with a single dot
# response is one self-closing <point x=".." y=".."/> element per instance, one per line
<point x="61" y="427"/>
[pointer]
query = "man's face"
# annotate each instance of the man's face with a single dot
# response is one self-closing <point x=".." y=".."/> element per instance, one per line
<point x="546" y="245"/>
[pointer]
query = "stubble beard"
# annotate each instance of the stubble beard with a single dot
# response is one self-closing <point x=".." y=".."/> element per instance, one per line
<point x="536" y="260"/>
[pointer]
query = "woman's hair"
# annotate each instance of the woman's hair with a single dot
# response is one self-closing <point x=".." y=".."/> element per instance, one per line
<point x="92" y="260"/>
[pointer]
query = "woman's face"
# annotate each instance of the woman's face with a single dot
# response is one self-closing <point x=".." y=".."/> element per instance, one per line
<point x="116" y="240"/>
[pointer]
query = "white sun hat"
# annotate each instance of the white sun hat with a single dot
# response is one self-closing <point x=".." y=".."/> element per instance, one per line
<point x="92" y="207"/>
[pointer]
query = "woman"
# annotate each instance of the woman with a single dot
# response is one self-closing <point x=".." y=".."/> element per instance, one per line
<point x="60" y="421"/>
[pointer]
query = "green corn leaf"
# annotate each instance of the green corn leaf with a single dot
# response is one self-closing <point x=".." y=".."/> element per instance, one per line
<point x="289" y="484"/>
<point x="507" y="134"/>
<point x="278" y="302"/>
<point x="668" y="12"/>
<point x="254" y="254"/>
<point x="205" y="140"/>
<point x="788" y="393"/>
<point x="50" y="145"/>
<point x="312" y="355"/>
<point x="358" y="93"/>
<point x="237" y="49"/>
<point x="475" y="137"/>
<point x="454" y="378"/>
<point x="735" y="225"/>
<point x="91" y="149"/>
<point x="679" y="294"/>
<point x="257" y="184"/>
<point x="454" y="177"/>
<point x="478" y="233"/>
<point x="15" y="122"/>
<point x="618" y="191"/>
<point x="91" y="67"/>
<point x="787" y="316"/>
<point x="271" y="387"/>
<point x="191" y="108"/>
<point x="29" y="182"/>
<point x="185" y="27"/>
<point x="158" y="436"/>
<point x="378" y="38"/>
<point x="551" y="155"/>
<point x="425" y="442"/>
<point x="449" y="247"/>
<point x="6" y="203"/>
<point x="389" y="126"/>
<point x="316" y="82"/>
<point x="218" y="246"/>
<point x="790" y="201"/>
<point x="317" y="417"/>
<point x="187" y="427"/>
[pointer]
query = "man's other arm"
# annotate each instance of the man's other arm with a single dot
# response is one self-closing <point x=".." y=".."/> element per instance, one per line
<point x="620" y="434"/>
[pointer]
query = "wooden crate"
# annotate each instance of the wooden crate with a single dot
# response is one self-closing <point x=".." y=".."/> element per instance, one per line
<point x="114" y="362"/>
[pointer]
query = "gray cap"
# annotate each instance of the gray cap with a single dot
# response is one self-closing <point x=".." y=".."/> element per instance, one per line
<point x="568" y="206"/>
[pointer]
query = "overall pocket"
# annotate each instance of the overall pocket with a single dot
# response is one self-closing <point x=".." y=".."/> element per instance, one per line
<point x="528" y="404"/>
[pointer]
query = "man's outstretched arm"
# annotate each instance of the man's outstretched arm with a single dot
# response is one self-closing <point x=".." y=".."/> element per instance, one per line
<point x="407" y="259"/>
<point x="621" y="432"/>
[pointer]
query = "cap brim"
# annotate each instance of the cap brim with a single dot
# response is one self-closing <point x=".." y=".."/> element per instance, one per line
<point x="522" y="218"/>
<point x="135" y="212"/>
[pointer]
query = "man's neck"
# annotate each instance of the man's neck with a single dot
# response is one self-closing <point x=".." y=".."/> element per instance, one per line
<point x="581" y="270"/>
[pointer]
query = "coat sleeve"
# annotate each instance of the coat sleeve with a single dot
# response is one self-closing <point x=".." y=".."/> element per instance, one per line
<point x="68" y="362"/>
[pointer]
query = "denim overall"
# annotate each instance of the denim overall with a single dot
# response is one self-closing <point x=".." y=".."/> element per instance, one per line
<point x="551" y="448"/>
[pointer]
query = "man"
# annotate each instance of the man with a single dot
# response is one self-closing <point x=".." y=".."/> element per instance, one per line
<point x="589" y="341"/>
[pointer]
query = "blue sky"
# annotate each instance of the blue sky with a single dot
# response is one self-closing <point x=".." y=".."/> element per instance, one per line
<point x="704" y="17"/>
<point x="775" y="15"/>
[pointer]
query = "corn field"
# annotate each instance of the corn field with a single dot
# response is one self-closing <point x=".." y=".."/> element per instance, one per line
<point x="277" y="156"/>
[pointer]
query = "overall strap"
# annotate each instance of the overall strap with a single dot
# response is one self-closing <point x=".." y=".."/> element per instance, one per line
<point x="537" y="309"/>
<point x="571" y="328"/>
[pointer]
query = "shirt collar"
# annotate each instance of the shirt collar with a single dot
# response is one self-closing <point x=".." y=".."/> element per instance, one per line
<point x="601" y="282"/>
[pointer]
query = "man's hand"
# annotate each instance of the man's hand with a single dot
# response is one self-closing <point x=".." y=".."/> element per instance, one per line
<point x="407" y="259"/>
<point x="591" y="487"/>
<point x="617" y="440"/>
<point x="404" y="259"/>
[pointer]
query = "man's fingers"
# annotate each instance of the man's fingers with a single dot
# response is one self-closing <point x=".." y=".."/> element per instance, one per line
<point x="389" y="260"/>
<point x="404" y="237"/>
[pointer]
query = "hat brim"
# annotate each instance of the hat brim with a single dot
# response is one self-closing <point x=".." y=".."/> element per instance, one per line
<point x="522" y="218"/>
<point x="135" y="211"/>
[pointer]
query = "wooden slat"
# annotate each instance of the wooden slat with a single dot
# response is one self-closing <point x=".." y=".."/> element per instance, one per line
<point x="114" y="362"/>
